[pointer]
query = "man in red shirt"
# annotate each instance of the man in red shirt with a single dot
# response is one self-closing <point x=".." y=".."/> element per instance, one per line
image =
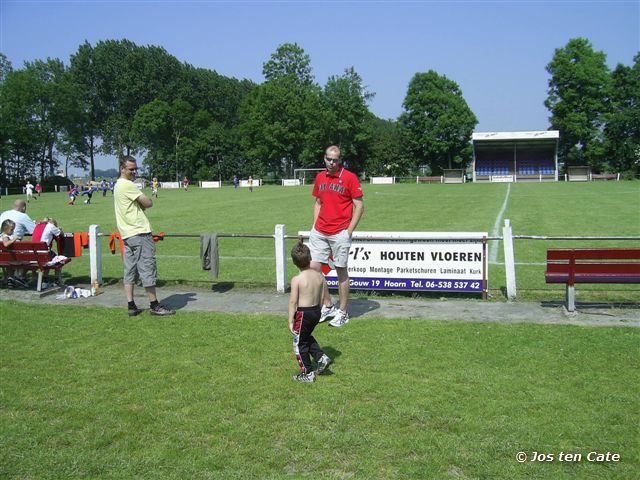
<point x="336" y="213"/>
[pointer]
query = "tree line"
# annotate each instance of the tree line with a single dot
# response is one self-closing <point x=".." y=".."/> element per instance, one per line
<point x="117" y="98"/>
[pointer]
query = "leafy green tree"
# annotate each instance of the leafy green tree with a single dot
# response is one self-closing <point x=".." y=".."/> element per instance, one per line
<point x="49" y="110"/>
<point x="5" y="67"/>
<point x="275" y="119"/>
<point x="170" y="130"/>
<point x="218" y="95"/>
<point x="623" y="129"/>
<point x="18" y="96"/>
<point x="291" y="62"/>
<point x="387" y="155"/>
<point x="127" y="77"/>
<point x="347" y="120"/>
<point x="437" y="123"/>
<point x="579" y="92"/>
<point x="32" y="115"/>
<point x="88" y="114"/>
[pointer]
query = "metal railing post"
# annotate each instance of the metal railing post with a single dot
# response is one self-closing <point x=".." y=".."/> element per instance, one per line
<point x="509" y="260"/>
<point x="95" y="254"/>
<point x="281" y="259"/>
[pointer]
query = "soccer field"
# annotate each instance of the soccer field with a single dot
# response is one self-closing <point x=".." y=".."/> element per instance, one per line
<point x="548" y="209"/>
<point x="88" y="392"/>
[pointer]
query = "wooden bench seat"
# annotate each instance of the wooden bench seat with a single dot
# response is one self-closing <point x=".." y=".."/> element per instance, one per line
<point x="432" y="179"/>
<point x="32" y="256"/>
<point x="591" y="265"/>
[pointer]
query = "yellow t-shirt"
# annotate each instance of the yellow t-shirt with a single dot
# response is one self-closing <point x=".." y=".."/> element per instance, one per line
<point x="130" y="216"/>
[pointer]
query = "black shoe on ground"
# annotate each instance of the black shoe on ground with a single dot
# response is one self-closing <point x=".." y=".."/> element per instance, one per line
<point x="19" y="282"/>
<point x="133" y="311"/>
<point x="161" y="310"/>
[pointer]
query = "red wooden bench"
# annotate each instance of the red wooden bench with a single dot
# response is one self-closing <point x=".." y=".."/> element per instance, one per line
<point x="32" y="256"/>
<point x="591" y="265"/>
<point x="429" y="180"/>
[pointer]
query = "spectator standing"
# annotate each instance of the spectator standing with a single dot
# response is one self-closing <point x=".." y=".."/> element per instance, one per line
<point x="135" y="229"/>
<point x="336" y="213"/>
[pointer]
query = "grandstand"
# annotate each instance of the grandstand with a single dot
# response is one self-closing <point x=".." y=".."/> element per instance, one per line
<point x="515" y="156"/>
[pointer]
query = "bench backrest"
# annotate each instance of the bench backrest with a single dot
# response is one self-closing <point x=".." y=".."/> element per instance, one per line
<point x="566" y="254"/>
<point x="614" y="265"/>
<point x="25" y="252"/>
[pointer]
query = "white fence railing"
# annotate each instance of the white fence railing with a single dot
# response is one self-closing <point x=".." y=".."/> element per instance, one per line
<point x="280" y="236"/>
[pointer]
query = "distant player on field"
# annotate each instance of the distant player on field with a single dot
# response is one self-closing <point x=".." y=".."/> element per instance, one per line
<point x="305" y="309"/>
<point x="154" y="187"/>
<point x="29" y="191"/>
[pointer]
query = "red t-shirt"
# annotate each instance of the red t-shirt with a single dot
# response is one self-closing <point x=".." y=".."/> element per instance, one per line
<point x="336" y="194"/>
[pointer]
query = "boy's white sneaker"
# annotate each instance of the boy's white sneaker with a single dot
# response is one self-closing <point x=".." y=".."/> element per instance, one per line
<point x="305" y="377"/>
<point x="341" y="319"/>
<point x="328" y="313"/>
<point x="323" y="363"/>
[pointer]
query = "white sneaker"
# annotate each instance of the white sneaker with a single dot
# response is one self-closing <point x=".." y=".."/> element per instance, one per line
<point x="305" y="377"/>
<point x="328" y="313"/>
<point x="341" y="319"/>
<point x="323" y="363"/>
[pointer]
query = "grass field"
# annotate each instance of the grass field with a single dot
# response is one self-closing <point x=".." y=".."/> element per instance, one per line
<point x="87" y="392"/>
<point x="90" y="393"/>
<point x="550" y="209"/>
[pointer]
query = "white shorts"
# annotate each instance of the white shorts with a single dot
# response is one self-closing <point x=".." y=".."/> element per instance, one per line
<point x="322" y="246"/>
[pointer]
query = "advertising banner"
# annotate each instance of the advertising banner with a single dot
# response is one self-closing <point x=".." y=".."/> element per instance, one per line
<point x="290" y="182"/>
<point x="422" y="261"/>
<point x="383" y="180"/>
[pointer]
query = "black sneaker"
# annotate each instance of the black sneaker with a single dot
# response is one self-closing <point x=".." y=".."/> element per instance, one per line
<point x="19" y="282"/>
<point x="161" y="310"/>
<point x="133" y="311"/>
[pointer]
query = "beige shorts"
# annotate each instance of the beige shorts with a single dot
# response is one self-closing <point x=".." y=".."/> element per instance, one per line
<point x="322" y="246"/>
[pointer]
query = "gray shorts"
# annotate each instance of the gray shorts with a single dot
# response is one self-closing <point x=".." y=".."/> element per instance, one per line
<point x="140" y="260"/>
<point x="322" y="246"/>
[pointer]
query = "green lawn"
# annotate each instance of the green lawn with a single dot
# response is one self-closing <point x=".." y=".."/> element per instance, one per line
<point x="551" y="209"/>
<point x="91" y="393"/>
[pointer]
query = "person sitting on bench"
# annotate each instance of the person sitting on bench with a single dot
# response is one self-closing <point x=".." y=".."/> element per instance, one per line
<point x="7" y="238"/>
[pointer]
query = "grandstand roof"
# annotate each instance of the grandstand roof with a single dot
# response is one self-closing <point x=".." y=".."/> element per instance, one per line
<point x="545" y="134"/>
<point x="489" y="140"/>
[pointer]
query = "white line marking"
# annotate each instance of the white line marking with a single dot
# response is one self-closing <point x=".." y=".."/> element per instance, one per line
<point x="493" y="248"/>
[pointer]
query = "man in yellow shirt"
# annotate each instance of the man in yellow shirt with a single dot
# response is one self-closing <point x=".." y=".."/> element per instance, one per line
<point x="135" y="229"/>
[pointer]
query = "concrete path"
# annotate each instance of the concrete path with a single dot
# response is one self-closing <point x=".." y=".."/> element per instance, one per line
<point x="238" y="300"/>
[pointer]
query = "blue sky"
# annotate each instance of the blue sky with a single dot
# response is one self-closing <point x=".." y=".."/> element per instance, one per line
<point x="495" y="50"/>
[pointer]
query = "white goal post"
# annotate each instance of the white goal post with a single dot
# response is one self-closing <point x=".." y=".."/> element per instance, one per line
<point x="301" y="173"/>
